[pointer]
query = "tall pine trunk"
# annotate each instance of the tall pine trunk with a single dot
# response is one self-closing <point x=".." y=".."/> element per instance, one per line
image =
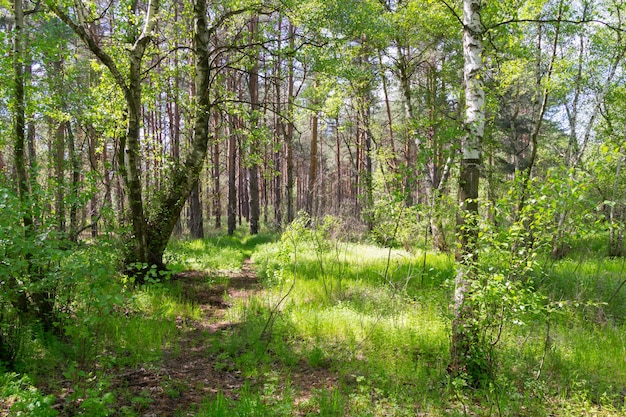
<point x="312" y="164"/>
<point x="217" y="195"/>
<point x="253" y="171"/>
<point x="232" y="177"/>
<point x="290" y="130"/>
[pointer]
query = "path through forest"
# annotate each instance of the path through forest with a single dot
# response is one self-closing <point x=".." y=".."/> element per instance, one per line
<point x="191" y="370"/>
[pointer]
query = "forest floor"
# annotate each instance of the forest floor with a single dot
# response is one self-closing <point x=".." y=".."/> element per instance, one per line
<point x="313" y="329"/>
<point x="191" y="370"/>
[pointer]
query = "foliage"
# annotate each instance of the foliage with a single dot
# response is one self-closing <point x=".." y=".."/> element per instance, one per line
<point x="379" y="337"/>
<point x="26" y="400"/>
<point x="30" y="270"/>
<point x="547" y="305"/>
<point x="401" y="330"/>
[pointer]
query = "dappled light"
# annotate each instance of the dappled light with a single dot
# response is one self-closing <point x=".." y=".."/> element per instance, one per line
<point x="360" y="208"/>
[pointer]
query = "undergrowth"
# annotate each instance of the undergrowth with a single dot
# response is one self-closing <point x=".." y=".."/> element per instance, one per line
<point x="339" y="329"/>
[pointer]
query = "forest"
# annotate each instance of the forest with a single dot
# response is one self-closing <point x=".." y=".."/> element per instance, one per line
<point x="312" y="208"/>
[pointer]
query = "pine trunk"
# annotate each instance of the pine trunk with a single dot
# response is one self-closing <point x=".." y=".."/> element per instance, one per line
<point x="253" y="171"/>
<point x="217" y="195"/>
<point x="290" y="130"/>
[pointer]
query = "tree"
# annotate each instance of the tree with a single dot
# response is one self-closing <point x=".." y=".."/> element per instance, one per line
<point x="131" y="86"/>
<point x="465" y="355"/>
<point x="153" y="228"/>
<point x="19" y="124"/>
<point x="253" y="170"/>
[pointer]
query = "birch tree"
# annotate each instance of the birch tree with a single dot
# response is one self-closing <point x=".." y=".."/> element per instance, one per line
<point x="464" y="358"/>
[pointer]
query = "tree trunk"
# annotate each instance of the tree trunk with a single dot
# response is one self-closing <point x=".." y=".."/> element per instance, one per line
<point x="75" y="185"/>
<point x="409" y="145"/>
<point x="185" y="177"/>
<point x="59" y="175"/>
<point x="30" y="141"/>
<point x="312" y="164"/>
<point x="37" y="302"/>
<point x="539" y="112"/>
<point x="232" y="177"/>
<point x="338" y="163"/>
<point x="290" y="129"/>
<point x="150" y="235"/>
<point x="129" y="164"/>
<point x="465" y="353"/>
<point x="196" y="222"/>
<point x="244" y="200"/>
<point x="217" y="194"/>
<point x="278" y="135"/>
<point x="616" y="228"/>
<point x="367" y="171"/>
<point x="19" y="124"/>
<point x="174" y="123"/>
<point x="253" y="171"/>
<point x="92" y="144"/>
<point x="393" y="163"/>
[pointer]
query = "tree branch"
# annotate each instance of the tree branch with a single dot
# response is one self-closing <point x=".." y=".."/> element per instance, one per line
<point x="93" y="46"/>
<point x="454" y="13"/>
<point x="556" y="21"/>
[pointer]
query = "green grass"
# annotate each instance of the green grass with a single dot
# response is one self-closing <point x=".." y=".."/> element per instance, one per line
<point x="220" y="252"/>
<point x="380" y="319"/>
<point x="371" y="324"/>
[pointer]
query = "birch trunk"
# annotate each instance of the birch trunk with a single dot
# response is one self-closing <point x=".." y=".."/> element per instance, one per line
<point x="464" y="338"/>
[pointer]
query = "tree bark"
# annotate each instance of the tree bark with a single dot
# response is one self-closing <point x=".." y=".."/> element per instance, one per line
<point x="312" y="163"/>
<point x="290" y="130"/>
<point x="59" y="174"/>
<point x="232" y="177"/>
<point x="278" y="135"/>
<point x="196" y="221"/>
<point x="253" y="171"/>
<point x="616" y="229"/>
<point x="409" y="144"/>
<point x="92" y="143"/>
<point x="464" y="351"/>
<point x="19" y="124"/>
<point x="338" y="163"/>
<point x="217" y="195"/>
<point x="75" y="164"/>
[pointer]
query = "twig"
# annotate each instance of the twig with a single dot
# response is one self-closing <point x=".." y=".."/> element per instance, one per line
<point x="270" y="320"/>
<point x="545" y="350"/>
<point x="619" y="286"/>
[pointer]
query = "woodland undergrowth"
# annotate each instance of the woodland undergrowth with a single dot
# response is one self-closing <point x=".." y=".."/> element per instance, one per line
<point x="340" y="327"/>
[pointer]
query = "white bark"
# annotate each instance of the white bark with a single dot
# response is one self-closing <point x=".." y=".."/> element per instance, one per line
<point x="463" y="337"/>
<point x="474" y="86"/>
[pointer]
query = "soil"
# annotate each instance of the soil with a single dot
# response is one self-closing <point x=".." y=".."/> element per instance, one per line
<point x="190" y="372"/>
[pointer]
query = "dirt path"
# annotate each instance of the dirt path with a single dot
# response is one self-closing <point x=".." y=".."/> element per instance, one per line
<point x="188" y="372"/>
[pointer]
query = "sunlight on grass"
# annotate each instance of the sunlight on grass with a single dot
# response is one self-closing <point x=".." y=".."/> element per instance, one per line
<point x="159" y="301"/>
<point x="360" y="330"/>
<point x="595" y="280"/>
<point x="223" y="253"/>
<point x="381" y="319"/>
<point x="588" y="355"/>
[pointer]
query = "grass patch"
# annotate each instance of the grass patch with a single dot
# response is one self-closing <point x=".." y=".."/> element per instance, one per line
<point x="379" y="318"/>
<point x="215" y="253"/>
<point x="339" y="329"/>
